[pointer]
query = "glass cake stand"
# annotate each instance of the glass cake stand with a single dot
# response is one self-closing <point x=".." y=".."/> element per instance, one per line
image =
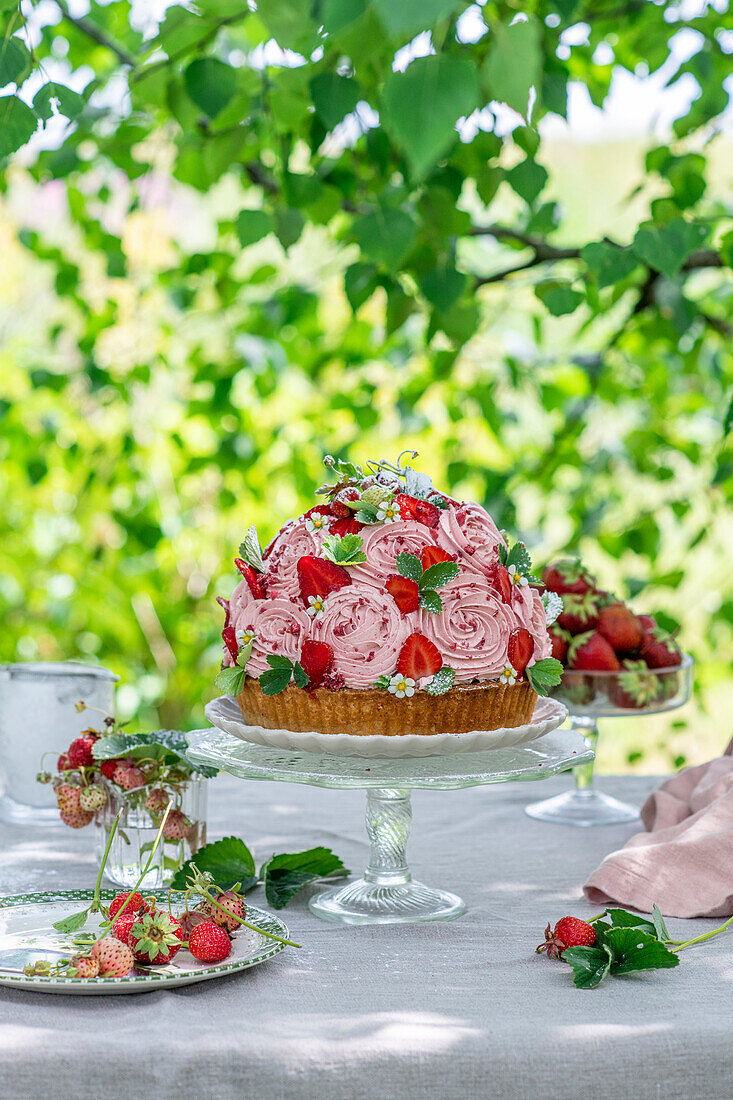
<point x="590" y="696"/>
<point x="387" y="893"/>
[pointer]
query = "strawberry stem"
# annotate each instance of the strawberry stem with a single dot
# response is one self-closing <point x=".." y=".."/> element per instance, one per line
<point x="96" y="900"/>
<point x="246" y="924"/>
<point x="145" y="870"/>
<point x="681" y="944"/>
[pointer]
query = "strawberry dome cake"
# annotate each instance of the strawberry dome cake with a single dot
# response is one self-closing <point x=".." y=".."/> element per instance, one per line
<point x="388" y="608"/>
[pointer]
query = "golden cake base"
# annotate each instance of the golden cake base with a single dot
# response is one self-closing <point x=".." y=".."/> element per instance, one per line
<point x="368" y="711"/>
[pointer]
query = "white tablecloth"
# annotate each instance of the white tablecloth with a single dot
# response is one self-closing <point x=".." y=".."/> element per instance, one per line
<point x="457" y="1010"/>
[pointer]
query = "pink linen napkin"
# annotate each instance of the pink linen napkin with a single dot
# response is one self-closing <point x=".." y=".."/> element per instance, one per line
<point x="684" y="862"/>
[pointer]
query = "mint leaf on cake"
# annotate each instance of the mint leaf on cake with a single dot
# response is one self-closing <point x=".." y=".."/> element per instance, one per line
<point x="346" y="550"/>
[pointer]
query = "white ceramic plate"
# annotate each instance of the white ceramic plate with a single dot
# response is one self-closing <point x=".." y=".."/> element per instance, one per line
<point x="224" y="713"/>
<point x="27" y="934"/>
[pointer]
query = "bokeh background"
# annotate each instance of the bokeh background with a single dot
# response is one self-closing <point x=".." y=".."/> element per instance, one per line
<point x="163" y="384"/>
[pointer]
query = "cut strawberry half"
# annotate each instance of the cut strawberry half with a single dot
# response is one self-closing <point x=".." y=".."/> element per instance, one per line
<point x="318" y="577"/>
<point x="347" y="525"/>
<point x="252" y="578"/>
<point x="225" y="604"/>
<point x="431" y="555"/>
<point x="229" y="635"/>
<point x="317" y="659"/>
<point x="521" y="648"/>
<point x="404" y="592"/>
<point x="421" y="510"/>
<point x="419" y="657"/>
<point x="500" y="581"/>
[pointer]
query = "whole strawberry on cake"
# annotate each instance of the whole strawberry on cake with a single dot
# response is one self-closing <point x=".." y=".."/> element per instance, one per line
<point x="389" y="608"/>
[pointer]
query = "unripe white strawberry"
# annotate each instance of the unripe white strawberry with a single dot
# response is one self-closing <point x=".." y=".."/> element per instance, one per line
<point x="92" y="799"/>
<point x="234" y="906"/>
<point x="116" y="959"/>
<point x="157" y="801"/>
<point x="128" y="776"/>
<point x="76" y="819"/>
<point x="86" y="966"/>
<point x="375" y="494"/>
<point x="177" y="827"/>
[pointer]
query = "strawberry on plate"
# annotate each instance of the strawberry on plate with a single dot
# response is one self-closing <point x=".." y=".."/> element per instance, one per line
<point x="568" y="576"/>
<point x="431" y="555"/>
<point x="421" y="510"/>
<point x="419" y="657"/>
<point x="592" y="652"/>
<point x="404" y="592"/>
<point x="620" y="627"/>
<point x="318" y="577"/>
<point x="316" y="658"/>
<point x="520" y="650"/>
<point x="252" y="578"/>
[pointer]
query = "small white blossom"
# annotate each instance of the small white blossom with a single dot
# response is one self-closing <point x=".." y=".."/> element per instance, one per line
<point x="244" y="637"/>
<point x="508" y="675"/>
<point x="516" y="577"/>
<point x="316" y="522"/>
<point x="388" y="512"/>
<point x="403" y="687"/>
<point x="316" y="606"/>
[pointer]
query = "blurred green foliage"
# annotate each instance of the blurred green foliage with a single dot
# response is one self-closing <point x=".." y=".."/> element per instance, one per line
<point x="210" y="279"/>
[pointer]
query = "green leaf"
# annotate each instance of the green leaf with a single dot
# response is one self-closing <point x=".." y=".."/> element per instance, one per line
<point x="608" y="263"/>
<point x="249" y="549"/>
<point x="430" y="600"/>
<point x="519" y="556"/>
<point x="301" y="677"/>
<point x="286" y="874"/>
<point x="72" y="923"/>
<point x="659" y="926"/>
<point x="289" y="225"/>
<point x="65" y="101"/>
<point x="253" y="225"/>
<point x="558" y="298"/>
<point x="442" y="681"/>
<point x="407" y="17"/>
<point x="210" y="83"/>
<point x="634" y="949"/>
<point x="334" y="97"/>
<point x="527" y="179"/>
<point x="442" y="287"/>
<point x="439" y="574"/>
<point x="17" y="124"/>
<point x="15" y="61"/>
<point x="622" y="918"/>
<point x="276" y="660"/>
<point x="228" y="861"/>
<point x="422" y="105"/>
<point x="590" y="965"/>
<point x="360" y="282"/>
<point x="544" y="674"/>
<point x="275" y="680"/>
<point x="409" y="565"/>
<point x="346" y="550"/>
<point x="514" y="62"/>
<point x="385" y="235"/>
<point x="230" y="681"/>
<point x="666" y="247"/>
<point x="367" y="514"/>
<point x="168" y="746"/>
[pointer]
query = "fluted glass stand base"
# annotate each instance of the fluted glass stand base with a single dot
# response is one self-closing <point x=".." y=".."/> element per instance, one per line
<point x="583" y="808"/>
<point x="387" y="894"/>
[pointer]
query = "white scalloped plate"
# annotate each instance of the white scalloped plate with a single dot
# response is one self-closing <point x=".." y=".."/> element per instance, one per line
<point x="224" y="713"/>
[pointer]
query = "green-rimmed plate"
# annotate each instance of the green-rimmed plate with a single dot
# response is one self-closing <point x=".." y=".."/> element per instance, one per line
<point x="27" y="934"/>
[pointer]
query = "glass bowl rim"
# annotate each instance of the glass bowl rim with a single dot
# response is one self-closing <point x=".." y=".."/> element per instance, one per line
<point x="686" y="663"/>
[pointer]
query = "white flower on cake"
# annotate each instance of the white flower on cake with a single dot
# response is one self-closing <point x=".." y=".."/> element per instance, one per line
<point x="316" y="522"/>
<point x="388" y="512"/>
<point x="316" y="606"/>
<point x="403" y="687"/>
<point x="508" y="675"/>
<point x="516" y="577"/>
<point x="244" y="637"/>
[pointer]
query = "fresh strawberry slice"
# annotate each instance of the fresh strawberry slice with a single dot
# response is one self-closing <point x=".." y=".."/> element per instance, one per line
<point x="347" y="525"/>
<point x="229" y="635"/>
<point x="252" y="578"/>
<point x="404" y="592"/>
<point x="225" y="604"/>
<point x="521" y="648"/>
<point x="421" y="510"/>
<point x="317" y="659"/>
<point x="431" y="555"/>
<point x="500" y="581"/>
<point x="318" y="577"/>
<point x="419" y="657"/>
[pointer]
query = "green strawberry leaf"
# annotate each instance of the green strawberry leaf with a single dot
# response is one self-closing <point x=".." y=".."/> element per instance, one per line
<point x="410" y="566"/>
<point x="430" y="600"/>
<point x="590" y="965"/>
<point x="622" y="918"/>
<point x="301" y="677"/>
<point x="250" y="550"/>
<point x="275" y="660"/>
<point x="228" y="861"/>
<point x="343" y="551"/>
<point x="367" y="514"/>
<point x="544" y="674"/>
<point x="519" y="556"/>
<point x="659" y="926"/>
<point x="167" y="746"/>
<point x="284" y="875"/>
<point x="275" y="680"/>
<point x="72" y="923"/>
<point x="633" y="949"/>
<point x="382" y="683"/>
<point x="230" y="681"/>
<point x="439" y="574"/>
<point x="442" y="681"/>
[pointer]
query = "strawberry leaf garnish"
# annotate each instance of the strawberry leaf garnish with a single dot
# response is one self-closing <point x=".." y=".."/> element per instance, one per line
<point x="633" y="949"/>
<point x="284" y="875"/>
<point x="518" y="556"/>
<point x="544" y="674"/>
<point x="427" y="580"/>
<point x="409" y="565"/>
<point x="367" y="513"/>
<point x="228" y="861"/>
<point x="442" y="681"/>
<point x="250" y="550"/>
<point x="430" y="600"/>
<point x="439" y="574"/>
<point x="590" y="965"/>
<point x="346" y="550"/>
<point x="230" y="681"/>
<point x="279" y="674"/>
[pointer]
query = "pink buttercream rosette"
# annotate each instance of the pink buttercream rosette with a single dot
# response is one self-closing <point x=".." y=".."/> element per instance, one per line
<point x="366" y="632"/>
<point x="281" y="567"/>
<point x="530" y="610"/>
<point x="383" y="543"/>
<point x="469" y="534"/>
<point x="279" y="626"/>
<point x="472" y="630"/>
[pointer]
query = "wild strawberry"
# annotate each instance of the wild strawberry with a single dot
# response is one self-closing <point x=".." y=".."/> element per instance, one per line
<point x="659" y="649"/>
<point x="500" y="581"/>
<point x="64" y="764"/>
<point x="318" y="577"/>
<point x="76" y="819"/>
<point x="79" y="751"/>
<point x="316" y="658"/>
<point x="235" y="910"/>
<point x="421" y="510"/>
<point x="404" y="592"/>
<point x="560" y="641"/>
<point x="569" y="932"/>
<point x="579" y="613"/>
<point x="92" y="799"/>
<point x="620" y="627"/>
<point x="635" y="686"/>
<point x="520" y="650"/>
<point x="376" y="494"/>
<point x="568" y="576"/>
<point x="157" y="802"/>
<point x="339" y="507"/>
<point x="229" y="637"/>
<point x="137" y="901"/>
<point x="419" y="657"/>
<point x="107" y="768"/>
<point x="431" y="555"/>
<point x="116" y="959"/>
<point x="122" y="926"/>
<point x="67" y="797"/>
<point x="128" y="776"/>
<point x="592" y="652"/>
<point x="85" y="966"/>
<point x="189" y="919"/>
<point x="155" y="937"/>
<point x="347" y="525"/>
<point x="252" y="578"/>
<point x="209" y="943"/>
<point x="177" y="826"/>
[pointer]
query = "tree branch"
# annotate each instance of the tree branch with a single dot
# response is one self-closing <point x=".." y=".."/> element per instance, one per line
<point x="91" y="30"/>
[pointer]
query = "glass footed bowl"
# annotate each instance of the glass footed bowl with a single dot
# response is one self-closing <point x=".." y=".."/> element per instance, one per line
<point x="593" y="695"/>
